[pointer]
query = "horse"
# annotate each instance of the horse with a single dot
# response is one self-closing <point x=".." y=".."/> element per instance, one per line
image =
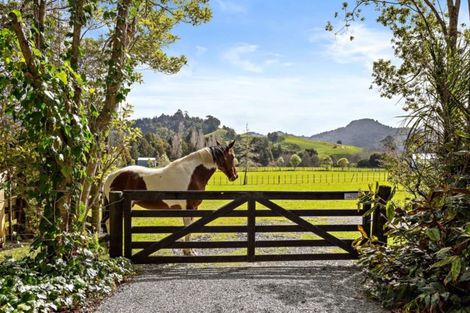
<point x="191" y="172"/>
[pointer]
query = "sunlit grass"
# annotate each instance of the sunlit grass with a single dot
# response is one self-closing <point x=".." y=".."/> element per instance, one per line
<point x="288" y="204"/>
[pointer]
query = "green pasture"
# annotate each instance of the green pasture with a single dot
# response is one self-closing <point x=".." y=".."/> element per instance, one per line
<point x="311" y="179"/>
<point x="323" y="148"/>
<point x="330" y="182"/>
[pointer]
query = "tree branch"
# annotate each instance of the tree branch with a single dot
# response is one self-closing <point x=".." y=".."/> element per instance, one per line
<point x="438" y="16"/>
<point x="24" y="46"/>
<point x="77" y="29"/>
<point x="115" y="75"/>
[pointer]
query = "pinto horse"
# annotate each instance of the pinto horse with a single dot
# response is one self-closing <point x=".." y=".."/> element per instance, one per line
<point x="191" y="172"/>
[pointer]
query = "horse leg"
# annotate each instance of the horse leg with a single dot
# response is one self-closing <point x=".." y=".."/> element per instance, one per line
<point x="187" y="238"/>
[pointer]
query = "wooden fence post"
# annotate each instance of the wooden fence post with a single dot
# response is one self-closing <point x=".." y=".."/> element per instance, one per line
<point x="379" y="215"/>
<point x="251" y="224"/>
<point x="115" y="224"/>
<point x="367" y="220"/>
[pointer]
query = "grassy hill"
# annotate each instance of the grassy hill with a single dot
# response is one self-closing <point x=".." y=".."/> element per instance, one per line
<point x="297" y="144"/>
<point x="323" y="148"/>
<point x="219" y="133"/>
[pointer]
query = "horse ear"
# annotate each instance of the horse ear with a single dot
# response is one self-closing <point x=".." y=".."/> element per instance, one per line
<point x="217" y="142"/>
<point x="230" y="145"/>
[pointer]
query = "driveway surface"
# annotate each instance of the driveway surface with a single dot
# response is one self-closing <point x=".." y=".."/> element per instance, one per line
<point x="317" y="287"/>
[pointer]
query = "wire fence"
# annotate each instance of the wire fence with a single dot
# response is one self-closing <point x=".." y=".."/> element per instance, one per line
<point x="311" y="169"/>
<point x="291" y="178"/>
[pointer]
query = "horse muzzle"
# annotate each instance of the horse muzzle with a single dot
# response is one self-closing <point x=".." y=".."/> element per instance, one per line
<point x="233" y="177"/>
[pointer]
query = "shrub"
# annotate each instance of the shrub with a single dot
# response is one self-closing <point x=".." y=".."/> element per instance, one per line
<point x="38" y="284"/>
<point x="427" y="268"/>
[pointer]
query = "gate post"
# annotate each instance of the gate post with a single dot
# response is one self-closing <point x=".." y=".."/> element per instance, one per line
<point x="366" y="219"/>
<point x="115" y="223"/>
<point x="378" y="216"/>
<point x="251" y="224"/>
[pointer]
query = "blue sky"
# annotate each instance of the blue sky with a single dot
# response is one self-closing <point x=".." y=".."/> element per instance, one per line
<point x="269" y="63"/>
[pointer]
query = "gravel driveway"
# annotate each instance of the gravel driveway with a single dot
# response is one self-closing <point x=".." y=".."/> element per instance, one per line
<point x="332" y="286"/>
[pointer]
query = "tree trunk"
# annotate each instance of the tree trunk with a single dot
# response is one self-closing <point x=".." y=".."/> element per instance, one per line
<point x="40" y="16"/>
<point x="78" y="20"/>
<point x="115" y="71"/>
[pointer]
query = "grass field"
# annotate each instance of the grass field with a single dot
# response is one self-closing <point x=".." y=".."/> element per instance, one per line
<point x="323" y="148"/>
<point x="332" y="181"/>
<point x="309" y="179"/>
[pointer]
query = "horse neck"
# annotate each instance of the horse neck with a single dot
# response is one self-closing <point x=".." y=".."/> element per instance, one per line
<point x="193" y="160"/>
<point x="200" y="166"/>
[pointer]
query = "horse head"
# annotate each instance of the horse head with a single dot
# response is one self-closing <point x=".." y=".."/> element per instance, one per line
<point x="224" y="157"/>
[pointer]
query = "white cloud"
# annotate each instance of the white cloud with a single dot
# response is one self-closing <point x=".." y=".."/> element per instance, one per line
<point x="200" y="50"/>
<point x="239" y="56"/>
<point x="249" y="58"/>
<point x="367" y="46"/>
<point x="300" y="105"/>
<point x="230" y="6"/>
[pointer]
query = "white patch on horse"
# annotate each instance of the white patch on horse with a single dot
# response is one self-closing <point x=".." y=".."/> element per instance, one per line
<point x="176" y="176"/>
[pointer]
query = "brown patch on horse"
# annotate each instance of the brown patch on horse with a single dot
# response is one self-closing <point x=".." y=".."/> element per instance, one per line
<point x="199" y="179"/>
<point x="128" y="181"/>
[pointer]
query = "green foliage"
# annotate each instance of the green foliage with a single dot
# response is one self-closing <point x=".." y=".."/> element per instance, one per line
<point x="295" y="160"/>
<point x="326" y="162"/>
<point x="34" y="284"/>
<point x="52" y="124"/>
<point x="343" y="162"/>
<point x="427" y="269"/>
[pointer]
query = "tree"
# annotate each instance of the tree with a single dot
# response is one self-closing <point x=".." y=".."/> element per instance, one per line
<point x="244" y="148"/>
<point x="432" y="79"/>
<point x="261" y="150"/>
<point x="163" y="160"/>
<point x="326" y="162"/>
<point x="66" y="98"/>
<point x="389" y="143"/>
<point x="280" y="161"/>
<point x="376" y="160"/>
<point x="422" y="271"/>
<point x="363" y="163"/>
<point x="343" y="162"/>
<point x="274" y="137"/>
<point x="230" y="133"/>
<point x="295" y="160"/>
<point x="210" y="124"/>
<point x="310" y="158"/>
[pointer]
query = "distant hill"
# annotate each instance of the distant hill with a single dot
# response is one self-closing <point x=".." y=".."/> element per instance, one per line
<point x="323" y="148"/>
<point x="365" y="133"/>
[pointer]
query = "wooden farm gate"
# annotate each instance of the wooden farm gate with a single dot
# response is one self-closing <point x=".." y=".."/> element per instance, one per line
<point x="122" y="228"/>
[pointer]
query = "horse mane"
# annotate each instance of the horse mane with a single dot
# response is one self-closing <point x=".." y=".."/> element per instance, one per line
<point x="190" y="156"/>
<point x="218" y="152"/>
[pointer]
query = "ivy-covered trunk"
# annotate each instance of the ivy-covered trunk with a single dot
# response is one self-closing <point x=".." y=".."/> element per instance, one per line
<point x="62" y="88"/>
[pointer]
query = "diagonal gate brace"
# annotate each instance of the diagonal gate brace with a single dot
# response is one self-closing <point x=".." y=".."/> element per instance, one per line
<point x="306" y="225"/>
<point x="170" y="239"/>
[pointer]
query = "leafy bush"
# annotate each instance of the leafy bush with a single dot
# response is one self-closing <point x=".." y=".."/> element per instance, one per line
<point x="44" y="285"/>
<point x="427" y="266"/>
